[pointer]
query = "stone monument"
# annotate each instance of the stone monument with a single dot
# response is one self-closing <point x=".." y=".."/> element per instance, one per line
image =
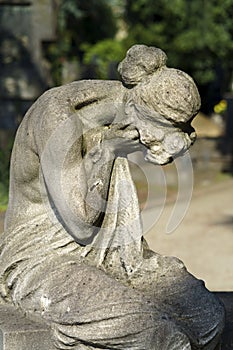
<point x="73" y="253"/>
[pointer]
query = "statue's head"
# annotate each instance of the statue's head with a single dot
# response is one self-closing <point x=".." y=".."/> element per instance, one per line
<point x="160" y="101"/>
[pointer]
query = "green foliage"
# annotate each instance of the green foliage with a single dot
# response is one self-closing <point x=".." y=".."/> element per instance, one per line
<point x="68" y="8"/>
<point x="4" y="176"/>
<point x="85" y="21"/>
<point x="102" y="54"/>
<point x="196" y="35"/>
<point x="3" y="197"/>
<point x="79" y="22"/>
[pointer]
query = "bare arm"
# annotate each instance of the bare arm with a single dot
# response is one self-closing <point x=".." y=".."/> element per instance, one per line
<point x="77" y="171"/>
<point x="76" y="184"/>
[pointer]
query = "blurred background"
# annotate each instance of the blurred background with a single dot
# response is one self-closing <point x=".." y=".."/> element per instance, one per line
<point x="45" y="43"/>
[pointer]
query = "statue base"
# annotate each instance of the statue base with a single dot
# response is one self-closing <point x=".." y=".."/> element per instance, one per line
<point x="19" y="333"/>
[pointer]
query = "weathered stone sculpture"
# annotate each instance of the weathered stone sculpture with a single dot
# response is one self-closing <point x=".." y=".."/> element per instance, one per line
<point x="72" y="252"/>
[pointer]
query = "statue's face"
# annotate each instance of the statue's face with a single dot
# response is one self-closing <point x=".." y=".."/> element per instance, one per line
<point x="161" y="140"/>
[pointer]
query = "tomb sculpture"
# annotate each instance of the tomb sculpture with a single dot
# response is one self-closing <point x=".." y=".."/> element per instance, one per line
<point x="72" y="251"/>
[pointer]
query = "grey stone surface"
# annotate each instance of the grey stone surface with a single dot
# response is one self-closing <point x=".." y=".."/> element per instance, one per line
<point x="72" y="253"/>
<point x="19" y="333"/>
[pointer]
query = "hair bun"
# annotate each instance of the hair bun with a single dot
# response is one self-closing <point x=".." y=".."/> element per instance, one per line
<point x="141" y="61"/>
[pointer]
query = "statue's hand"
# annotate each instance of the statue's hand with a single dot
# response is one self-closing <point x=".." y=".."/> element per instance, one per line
<point x="121" y="139"/>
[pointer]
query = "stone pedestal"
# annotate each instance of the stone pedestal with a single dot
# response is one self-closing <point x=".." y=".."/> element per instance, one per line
<point x="19" y="333"/>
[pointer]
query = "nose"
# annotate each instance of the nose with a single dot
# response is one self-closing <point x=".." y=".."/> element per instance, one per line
<point x="191" y="132"/>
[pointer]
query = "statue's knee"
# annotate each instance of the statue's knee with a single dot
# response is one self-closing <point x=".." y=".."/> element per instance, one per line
<point x="166" y="336"/>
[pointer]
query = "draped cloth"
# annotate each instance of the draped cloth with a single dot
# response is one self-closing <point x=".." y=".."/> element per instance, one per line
<point x="113" y="293"/>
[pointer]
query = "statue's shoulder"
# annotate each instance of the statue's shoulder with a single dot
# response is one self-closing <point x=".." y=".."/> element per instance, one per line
<point x="73" y="96"/>
<point x="58" y="103"/>
<point x="82" y="91"/>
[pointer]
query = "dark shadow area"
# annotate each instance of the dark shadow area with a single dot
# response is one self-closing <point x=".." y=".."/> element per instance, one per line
<point x="225" y="143"/>
<point x="20" y="81"/>
<point x="228" y="221"/>
<point x="227" y="337"/>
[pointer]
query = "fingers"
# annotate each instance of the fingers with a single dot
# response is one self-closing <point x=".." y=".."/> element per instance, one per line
<point x="121" y="131"/>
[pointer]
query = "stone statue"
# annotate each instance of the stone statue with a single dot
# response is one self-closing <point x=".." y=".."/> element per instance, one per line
<point x="72" y="253"/>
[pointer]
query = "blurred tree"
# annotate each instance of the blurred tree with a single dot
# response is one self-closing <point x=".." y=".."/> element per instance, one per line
<point x="79" y="22"/>
<point x="86" y="21"/>
<point x="104" y="55"/>
<point x="196" y="35"/>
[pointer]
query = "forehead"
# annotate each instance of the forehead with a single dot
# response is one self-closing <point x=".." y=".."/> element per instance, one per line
<point x="149" y="117"/>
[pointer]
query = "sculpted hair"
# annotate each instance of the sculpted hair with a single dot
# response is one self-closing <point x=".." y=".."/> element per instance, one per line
<point x="167" y="91"/>
<point x="140" y="62"/>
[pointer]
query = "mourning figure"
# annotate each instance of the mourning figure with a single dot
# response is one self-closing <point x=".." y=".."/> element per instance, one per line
<point x="73" y="252"/>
